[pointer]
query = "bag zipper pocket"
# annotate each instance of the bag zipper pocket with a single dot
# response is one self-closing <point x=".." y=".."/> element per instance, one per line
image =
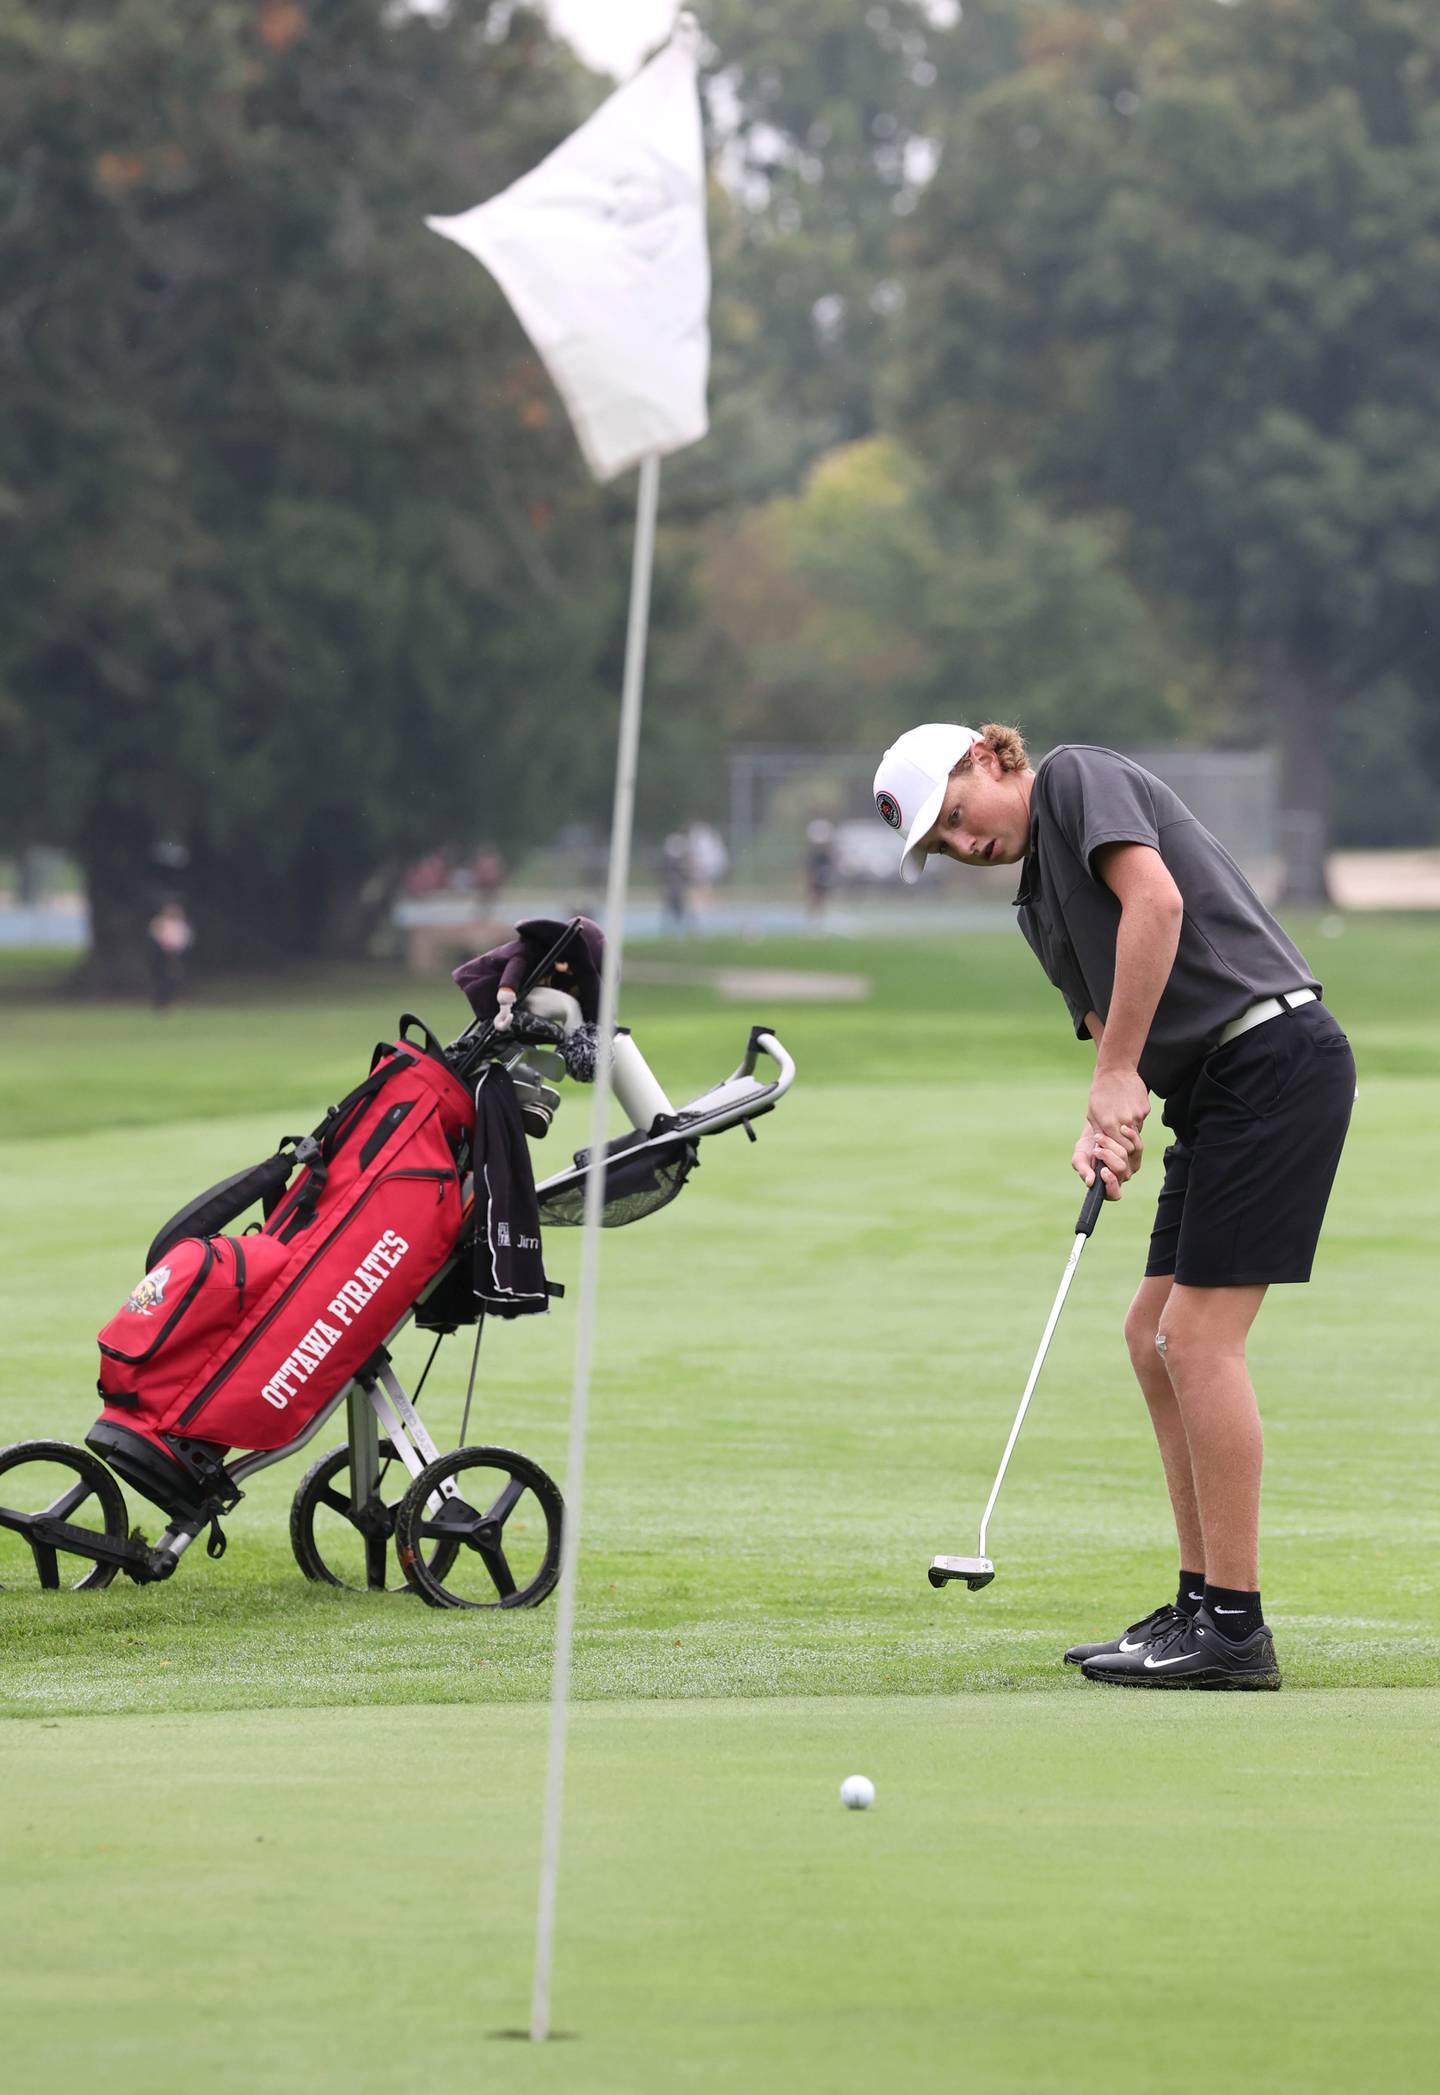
<point x="381" y="1134"/>
<point x="201" y="1273"/>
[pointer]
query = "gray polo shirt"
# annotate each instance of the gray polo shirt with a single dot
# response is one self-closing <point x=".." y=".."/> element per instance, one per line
<point x="1231" y="953"/>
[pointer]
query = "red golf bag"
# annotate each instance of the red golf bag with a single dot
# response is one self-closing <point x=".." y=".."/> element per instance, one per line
<point x="238" y="1341"/>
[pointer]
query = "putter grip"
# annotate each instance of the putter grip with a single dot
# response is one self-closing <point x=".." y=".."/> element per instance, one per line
<point x="1091" y="1205"/>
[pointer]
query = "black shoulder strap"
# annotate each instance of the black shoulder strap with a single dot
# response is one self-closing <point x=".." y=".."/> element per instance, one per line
<point x="212" y="1211"/>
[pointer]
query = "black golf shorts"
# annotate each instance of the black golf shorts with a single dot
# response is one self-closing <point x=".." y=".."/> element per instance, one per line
<point x="1259" y="1126"/>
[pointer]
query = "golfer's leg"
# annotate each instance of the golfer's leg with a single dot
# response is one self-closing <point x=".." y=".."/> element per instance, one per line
<point x="1204" y="1330"/>
<point x="1141" y="1325"/>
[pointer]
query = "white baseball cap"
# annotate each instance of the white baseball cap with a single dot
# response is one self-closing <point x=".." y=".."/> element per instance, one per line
<point x="911" y="781"/>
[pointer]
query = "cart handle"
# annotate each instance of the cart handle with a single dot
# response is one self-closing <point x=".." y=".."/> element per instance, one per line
<point x="763" y="1042"/>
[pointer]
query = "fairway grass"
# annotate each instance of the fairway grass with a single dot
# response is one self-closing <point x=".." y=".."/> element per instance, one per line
<point x="1110" y="1895"/>
<point x="801" y="1393"/>
<point x="281" y="1837"/>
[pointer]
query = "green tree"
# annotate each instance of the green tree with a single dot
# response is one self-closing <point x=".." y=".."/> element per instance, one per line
<point x="822" y="115"/>
<point x="1179" y="267"/>
<point x="303" y="567"/>
<point x="869" y="601"/>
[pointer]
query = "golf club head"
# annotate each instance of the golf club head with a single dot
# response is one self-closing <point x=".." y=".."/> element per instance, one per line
<point x="976" y="1571"/>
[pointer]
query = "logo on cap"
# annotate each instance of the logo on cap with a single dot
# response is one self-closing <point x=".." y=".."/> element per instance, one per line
<point x="889" y="808"/>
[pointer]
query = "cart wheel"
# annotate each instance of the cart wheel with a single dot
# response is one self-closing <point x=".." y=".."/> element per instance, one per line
<point x="50" y="1480"/>
<point x="507" y="1555"/>
<point x="338" y="1547"/>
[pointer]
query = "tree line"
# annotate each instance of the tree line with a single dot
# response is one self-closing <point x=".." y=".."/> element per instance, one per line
<point x="1071" y="362"/>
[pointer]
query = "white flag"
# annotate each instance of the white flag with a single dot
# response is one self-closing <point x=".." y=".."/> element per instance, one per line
<point x="601" y="251"/>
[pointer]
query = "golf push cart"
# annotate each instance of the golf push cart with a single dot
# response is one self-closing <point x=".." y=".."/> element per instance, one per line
<point x="236" y="1349"/>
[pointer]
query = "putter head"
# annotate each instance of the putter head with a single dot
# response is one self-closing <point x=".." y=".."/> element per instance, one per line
<point x="976" y="1571"/>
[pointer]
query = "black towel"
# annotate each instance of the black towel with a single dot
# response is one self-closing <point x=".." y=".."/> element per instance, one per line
<point x="509" y="1270"/>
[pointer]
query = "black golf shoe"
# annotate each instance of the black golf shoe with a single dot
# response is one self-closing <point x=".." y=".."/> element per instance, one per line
<point x="1135" y="1638"/>
<point x="1191" y="1654"/>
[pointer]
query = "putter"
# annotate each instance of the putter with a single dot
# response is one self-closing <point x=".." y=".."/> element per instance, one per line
<point x="977" y="1571"/>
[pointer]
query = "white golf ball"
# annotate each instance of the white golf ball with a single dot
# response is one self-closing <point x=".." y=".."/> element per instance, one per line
<point x="857" y="1793"/>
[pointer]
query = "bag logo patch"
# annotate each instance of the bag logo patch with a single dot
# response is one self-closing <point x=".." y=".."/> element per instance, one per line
<point x="148" y="1297"/>
<point x="889" y="808"/>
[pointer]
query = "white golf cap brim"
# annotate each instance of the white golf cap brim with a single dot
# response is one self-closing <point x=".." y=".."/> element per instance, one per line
<point x="912" y="863"/>
<point x="911" y="783"/>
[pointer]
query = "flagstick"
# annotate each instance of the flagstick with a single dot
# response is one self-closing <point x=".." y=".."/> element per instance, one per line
<point x="615" y="894"/>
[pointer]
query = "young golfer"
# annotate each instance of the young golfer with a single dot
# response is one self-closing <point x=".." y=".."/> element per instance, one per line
<point x="1169" y="962"/>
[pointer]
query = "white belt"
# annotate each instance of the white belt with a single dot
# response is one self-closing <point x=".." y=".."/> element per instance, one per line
<point x="1268" y="1007"/>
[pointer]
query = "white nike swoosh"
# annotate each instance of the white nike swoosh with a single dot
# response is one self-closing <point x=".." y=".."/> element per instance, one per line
<point x="1126" y="1645"/>
<point x="1227" y="1611"/>
<point x="1167" y="1662"/>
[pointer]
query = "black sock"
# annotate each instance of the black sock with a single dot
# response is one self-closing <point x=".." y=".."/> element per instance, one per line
<point x="1191" y="1593"/>
<point x="1235" y="1614"/>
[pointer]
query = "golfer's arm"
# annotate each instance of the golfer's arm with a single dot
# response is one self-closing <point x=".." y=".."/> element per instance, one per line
<point x="1145" y="946"/>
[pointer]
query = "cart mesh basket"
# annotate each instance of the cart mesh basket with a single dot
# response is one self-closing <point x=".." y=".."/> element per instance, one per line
<point x="635" y="1186"/>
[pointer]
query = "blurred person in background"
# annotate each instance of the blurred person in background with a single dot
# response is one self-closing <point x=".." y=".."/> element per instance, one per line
<point x="675" y="878"/>
<point x="170" y="939"/>
<point x="822" y="867"/>
<point x="428" y="875"/>
<point x="709" y="862"/>
<point x="487" y="870"/>
<point x="1169" y="962"/>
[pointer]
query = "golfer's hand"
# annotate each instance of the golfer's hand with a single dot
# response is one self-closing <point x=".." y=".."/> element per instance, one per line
<point x="1117" y="1161"/>
<point x="1118" y="1101"/>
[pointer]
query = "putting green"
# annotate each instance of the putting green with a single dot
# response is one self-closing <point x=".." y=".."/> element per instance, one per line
<point x="1095" y="1894"/>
